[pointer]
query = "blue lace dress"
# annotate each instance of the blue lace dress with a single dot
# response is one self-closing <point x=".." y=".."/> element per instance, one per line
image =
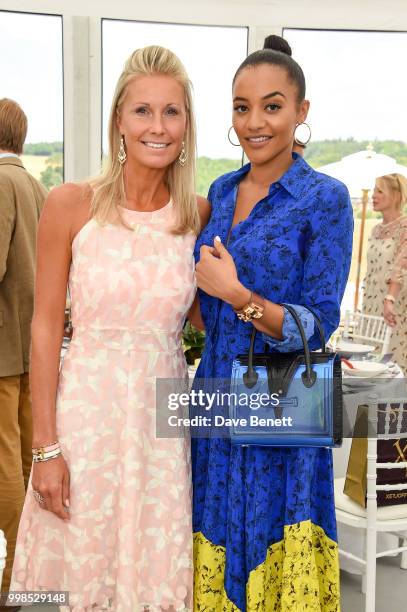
<point x="264" y="520"/>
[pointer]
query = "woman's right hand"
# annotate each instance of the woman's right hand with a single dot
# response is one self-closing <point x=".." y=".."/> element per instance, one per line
<point x="389" y="313"/>
<point x="51" y="479"/>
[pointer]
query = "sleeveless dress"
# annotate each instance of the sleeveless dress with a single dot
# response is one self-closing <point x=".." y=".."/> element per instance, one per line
<point x="386" y="262"/>
<point x="128" y="544"/>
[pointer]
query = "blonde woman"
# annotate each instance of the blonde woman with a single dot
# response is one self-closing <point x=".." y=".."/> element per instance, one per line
<point x="385" y="285"/>
<point x="108" y="512"/>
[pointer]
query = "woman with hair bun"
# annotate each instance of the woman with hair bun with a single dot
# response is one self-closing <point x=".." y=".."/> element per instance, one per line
<point x="385" y="284"/>
<point x="264" y="518"/>
<point x="108" y="513"/>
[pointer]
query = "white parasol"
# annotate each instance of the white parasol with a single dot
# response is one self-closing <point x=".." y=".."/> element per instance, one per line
<point x="359" y="170"/>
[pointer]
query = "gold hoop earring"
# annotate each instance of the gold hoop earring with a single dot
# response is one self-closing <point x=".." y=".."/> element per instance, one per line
<point x="302" y="143"/>
<point x="122" y="156"/>
<point x="183" y="156"/>
<point x="231" y="142"/>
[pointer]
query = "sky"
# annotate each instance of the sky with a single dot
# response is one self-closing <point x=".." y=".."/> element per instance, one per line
<point x="32" y="74"/>
<point x="355" y="81"/>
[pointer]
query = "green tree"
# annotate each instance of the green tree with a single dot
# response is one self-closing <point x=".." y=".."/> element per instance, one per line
<point x="53" y="174"/>
<point x="322" y="152"/>
<point x="209" y="169"/>
<point x="43" y="148"/>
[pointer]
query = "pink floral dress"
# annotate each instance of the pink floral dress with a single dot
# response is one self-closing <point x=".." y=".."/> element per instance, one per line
<point x="128" y="544"/>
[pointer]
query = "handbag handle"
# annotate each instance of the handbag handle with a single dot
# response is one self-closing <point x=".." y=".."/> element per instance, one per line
<point x="320" y="329"/>
<point x="308" y="376"/>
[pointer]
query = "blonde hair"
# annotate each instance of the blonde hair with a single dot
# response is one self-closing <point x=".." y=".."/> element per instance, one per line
<point x="394" y="184"/>
<point x="108" y="188"/>
<point x="13" y="126"/>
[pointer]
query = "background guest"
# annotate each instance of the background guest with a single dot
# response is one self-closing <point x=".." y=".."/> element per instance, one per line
<point x="385" y="285"/>
<point x="21" y="200"/>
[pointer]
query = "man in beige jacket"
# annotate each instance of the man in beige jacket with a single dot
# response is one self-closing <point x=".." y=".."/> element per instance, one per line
<point x="21" y="200"/>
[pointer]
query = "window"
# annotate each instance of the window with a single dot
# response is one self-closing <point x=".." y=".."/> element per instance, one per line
<point x="358" y="97"/>
<point x="32" y="76"/>
<point x="354" y="82"/>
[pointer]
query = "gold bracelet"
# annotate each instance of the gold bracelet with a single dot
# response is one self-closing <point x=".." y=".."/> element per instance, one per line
<point x="390" y="298"/>
<point x="254" y="309"/>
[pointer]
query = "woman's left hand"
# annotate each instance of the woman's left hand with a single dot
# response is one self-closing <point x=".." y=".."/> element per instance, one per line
<point x="216" y="273"/>
<point x="389" y="313"/>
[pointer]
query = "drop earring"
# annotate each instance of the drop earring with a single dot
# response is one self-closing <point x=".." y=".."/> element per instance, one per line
<point x="183" y="156"/>
<point x="121" y="156"/>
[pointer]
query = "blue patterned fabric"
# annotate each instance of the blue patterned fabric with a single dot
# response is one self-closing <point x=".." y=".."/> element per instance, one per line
<point x="291" y="340"/>
<point x="294" y="247"/>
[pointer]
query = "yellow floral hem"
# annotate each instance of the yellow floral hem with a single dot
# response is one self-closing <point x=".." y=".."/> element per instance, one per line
<point x="300" y="574"/>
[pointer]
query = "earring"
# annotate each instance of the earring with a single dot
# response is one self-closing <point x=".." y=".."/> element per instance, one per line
<point x="121" y="156"/>
<point x="302" y="143"/>
<point x="183" y="156"/>
<point x="232" y="143"/>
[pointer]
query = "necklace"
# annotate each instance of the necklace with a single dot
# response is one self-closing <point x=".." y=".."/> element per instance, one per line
<point x="390" y="222"/>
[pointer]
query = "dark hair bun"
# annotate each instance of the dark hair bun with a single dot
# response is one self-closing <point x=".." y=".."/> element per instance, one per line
<point x="276" y="43"/>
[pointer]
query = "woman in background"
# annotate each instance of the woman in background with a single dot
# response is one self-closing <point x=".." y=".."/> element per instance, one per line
<point x="108" y="514"/>
<point x="385" y="284"/>
<point x="264" y="518"/>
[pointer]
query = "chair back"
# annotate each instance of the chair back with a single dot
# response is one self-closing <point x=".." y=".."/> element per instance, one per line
<point x="389" y="418"/>
<point x="367" y="328"/>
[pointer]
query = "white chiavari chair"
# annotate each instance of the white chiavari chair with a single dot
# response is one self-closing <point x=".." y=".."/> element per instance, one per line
<point x="368" y="329"/>
<point x="390" y="519"/>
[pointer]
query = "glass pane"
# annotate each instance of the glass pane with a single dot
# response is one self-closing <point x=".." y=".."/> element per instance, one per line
<point x="210" y="71"/>
<point x="33" y="77"/>
<point x="354" y="83"/>
<point x="358" y="99"/>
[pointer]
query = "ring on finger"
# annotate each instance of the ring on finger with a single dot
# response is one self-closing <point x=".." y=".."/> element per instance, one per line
<point x="39" y="498"/>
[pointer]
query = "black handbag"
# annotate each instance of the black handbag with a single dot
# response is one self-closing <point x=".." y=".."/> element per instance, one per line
<point x="304" y="390"/>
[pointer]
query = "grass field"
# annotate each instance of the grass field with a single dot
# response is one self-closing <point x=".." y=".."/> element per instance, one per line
<point x="35" y="164"/>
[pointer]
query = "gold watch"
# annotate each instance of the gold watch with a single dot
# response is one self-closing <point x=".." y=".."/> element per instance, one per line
<point x="254" y="309"/>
